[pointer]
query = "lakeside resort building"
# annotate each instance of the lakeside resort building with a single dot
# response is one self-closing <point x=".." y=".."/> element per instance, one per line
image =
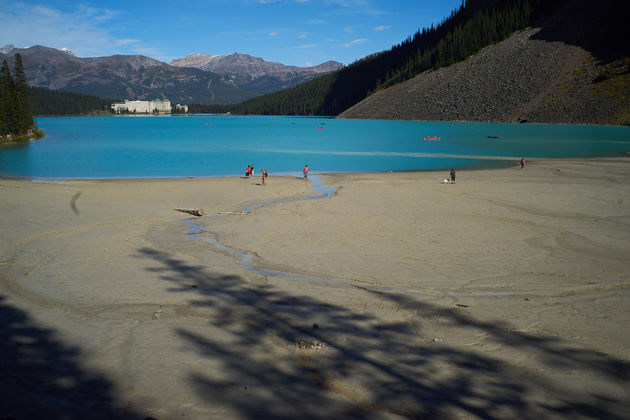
<point x="182" y="108"/>
<point x="143" y="107"/>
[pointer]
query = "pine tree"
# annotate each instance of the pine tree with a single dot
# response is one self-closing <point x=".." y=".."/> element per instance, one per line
<point x="4" y="112"/>
<point x="8" y="125"/>
<point x="24" y="116"/>
<point x="15" y="113"/>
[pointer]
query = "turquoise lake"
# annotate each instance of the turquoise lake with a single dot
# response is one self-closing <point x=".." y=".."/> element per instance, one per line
<point x="216" y="145"/>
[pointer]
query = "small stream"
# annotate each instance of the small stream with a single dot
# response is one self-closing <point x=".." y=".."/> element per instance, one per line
<point x="246" y="259"/>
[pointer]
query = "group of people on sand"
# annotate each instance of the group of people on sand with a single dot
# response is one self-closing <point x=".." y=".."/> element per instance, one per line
<point x="250" y="172"/>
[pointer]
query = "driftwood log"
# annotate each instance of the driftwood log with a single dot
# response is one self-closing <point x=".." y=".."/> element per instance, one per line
<point x="194" y="212"/>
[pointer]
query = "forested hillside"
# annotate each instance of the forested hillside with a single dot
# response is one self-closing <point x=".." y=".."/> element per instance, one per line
<point x="474" y="25"/>
<point x="57" y="102"/>
<point x="572" y="66"/>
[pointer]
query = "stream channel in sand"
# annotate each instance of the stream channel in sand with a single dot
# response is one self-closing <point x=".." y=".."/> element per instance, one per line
<point x="246" y="259"/>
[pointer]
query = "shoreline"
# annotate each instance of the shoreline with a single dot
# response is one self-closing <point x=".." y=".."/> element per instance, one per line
<point x="293" y="174"/>
<point x="502" y="295"/>
<point x="22" y="138"/>
<point x="350" y="118"/>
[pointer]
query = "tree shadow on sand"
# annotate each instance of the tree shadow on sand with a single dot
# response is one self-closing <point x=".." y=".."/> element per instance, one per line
<point x="283" y="356"/>
<point x="40" y="377"/>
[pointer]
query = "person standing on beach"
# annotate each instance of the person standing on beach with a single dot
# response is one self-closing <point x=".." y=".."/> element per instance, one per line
<point x="264" y="176"/>
<point x="522" y="162"/>
<point x="247" y="171"/>
<point x="305" y="171"/>
<point x="452" y="176"/>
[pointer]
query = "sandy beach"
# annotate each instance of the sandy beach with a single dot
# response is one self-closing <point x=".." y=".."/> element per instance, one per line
<point x="505" y="295"/>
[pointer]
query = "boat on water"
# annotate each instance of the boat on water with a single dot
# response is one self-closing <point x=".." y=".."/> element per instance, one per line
<point x="431" y="138"/>
<point x="493" y="137"/>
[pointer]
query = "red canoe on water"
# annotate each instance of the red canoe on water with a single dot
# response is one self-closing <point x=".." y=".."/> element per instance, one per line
<point x="431" y="138"/>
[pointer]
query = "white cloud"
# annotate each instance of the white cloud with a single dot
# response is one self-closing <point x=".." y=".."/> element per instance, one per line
<point x="273" y="34"/>
<point x="99" y="15"/>
<point x="302" y="36"/>
<point x="381" y="27"/>
<point x="304" y="46"/>
<point x="362" y="7"/>
<point x="84" y="30"/>
<point x="355" y="42"/>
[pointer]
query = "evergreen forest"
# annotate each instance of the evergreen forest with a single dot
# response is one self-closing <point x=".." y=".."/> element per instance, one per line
<point x="474" y="25"/>
<point x="56" y="102"/>
<point x="16" y="119"/>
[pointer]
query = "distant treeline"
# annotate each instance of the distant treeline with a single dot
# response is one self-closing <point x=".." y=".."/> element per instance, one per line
<point x="474" y="25"/>
<point x="16" y="118"/>
<point x="57" y="102"/>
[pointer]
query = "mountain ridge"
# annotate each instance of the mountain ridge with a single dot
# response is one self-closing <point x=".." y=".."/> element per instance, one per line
<point x="123" y="76"/>
<point x="254" y="73"/>
<point x="195" y="78"/>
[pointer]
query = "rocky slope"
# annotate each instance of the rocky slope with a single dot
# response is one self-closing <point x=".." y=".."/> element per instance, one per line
<point x="195" y="60"/>
<point x="253" y="73"/>
<point x="545" y="74"/>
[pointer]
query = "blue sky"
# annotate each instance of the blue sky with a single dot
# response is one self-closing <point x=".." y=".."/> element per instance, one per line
<point x="292" y="32"/>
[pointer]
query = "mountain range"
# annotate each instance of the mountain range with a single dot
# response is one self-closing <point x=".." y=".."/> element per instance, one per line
<point x="555" y="61"/>
<point x="218" y="80"/>
<point x="255" y="74"/>
<point x="542" y="61"/>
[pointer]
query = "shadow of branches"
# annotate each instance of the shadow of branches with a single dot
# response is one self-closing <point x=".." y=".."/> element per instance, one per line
<point x="40" y="377"/>
<point x="279" y="355"/>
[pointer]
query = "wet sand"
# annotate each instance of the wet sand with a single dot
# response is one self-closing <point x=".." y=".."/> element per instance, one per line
<point x="505" y="295"/>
